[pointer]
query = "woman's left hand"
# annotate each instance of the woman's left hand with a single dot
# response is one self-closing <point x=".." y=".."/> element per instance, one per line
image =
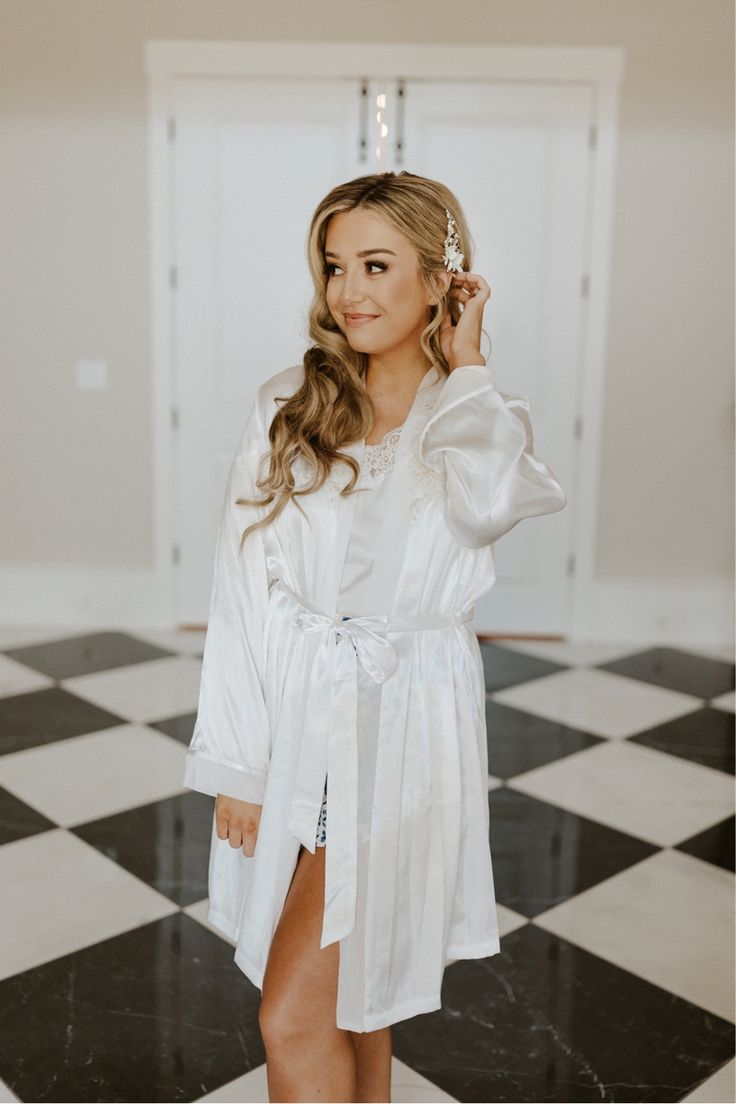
<point x="461" y="342"/>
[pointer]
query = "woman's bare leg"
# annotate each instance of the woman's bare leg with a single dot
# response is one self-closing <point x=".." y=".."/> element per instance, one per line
<point x="307" y="1056"/>
<point x="373" y="1049"/>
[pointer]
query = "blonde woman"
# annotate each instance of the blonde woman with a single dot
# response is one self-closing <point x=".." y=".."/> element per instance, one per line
<point x="360" y="517"/>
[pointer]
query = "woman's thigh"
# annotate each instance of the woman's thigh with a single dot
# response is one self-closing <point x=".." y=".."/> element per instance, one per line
<point x="299" y="992"/>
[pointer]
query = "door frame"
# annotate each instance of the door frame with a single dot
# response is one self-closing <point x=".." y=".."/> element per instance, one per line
<point x="600" y="67"/>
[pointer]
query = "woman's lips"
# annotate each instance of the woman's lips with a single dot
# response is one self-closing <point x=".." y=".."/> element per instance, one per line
<point x="359" y="319"/>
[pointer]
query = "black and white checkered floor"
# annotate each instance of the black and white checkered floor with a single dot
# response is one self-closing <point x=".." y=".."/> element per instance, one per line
<point x="612" y="834"/>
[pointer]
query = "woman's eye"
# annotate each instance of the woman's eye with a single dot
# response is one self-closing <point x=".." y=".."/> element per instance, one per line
<point x="328" y="269"/>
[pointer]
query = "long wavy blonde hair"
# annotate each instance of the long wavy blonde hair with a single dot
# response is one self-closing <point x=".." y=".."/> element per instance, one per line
<point x="332" y="408"/>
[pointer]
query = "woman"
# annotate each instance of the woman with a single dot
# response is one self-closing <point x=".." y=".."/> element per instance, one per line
<point x="370" y="486"/>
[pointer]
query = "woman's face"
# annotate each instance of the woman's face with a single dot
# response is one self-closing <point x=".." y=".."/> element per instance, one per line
<point x="384" y="285"/>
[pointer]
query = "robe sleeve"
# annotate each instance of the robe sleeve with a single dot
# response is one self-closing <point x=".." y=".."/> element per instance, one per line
<point x="483" y="441"/>
<point x="231" y="744"/>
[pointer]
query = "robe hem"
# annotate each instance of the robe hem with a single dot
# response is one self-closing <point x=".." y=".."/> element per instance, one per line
<point x="376" y="1020"/>
<point x="217" y="919"/>
<point x="472" y="950"/>
<point x="373" y="1021"/>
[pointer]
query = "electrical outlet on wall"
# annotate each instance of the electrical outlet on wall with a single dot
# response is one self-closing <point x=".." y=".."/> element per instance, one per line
<point x="92" y="375"/>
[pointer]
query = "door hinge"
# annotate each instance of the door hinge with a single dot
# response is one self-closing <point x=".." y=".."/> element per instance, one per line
<point x="171" y="128"/>
<point x="363" y="122"/>
<point x="175" y="554"/>
<point x="400" y="102"/>
<point x="173" y="277"/>
<point x="571" y="563"/>
<point x="174" y="417"/>
<point x="593" y="136"/>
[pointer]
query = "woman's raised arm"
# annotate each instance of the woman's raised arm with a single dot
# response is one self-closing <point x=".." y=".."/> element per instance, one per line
<point x="485" y="441"/>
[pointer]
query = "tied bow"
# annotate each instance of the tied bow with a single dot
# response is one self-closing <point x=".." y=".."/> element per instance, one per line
<point x="376" y="654"/>
<point x="330" y="734"/>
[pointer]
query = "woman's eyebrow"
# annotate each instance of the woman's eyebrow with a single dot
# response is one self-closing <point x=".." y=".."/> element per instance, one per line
<point x="363" y="253"/>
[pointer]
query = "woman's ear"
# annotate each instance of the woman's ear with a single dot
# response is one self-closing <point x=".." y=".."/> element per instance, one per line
<point x="441" y="281"/>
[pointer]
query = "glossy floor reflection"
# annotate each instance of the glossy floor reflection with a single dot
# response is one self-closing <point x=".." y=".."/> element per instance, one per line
<point x="611" y="796"/>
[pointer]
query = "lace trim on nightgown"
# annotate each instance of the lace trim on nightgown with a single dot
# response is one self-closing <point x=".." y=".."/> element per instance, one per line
<point x="379" y="459"/>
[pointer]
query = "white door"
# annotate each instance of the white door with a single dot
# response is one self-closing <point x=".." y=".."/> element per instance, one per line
<point x="517" y="156"/>
<point x="251" y="160"/>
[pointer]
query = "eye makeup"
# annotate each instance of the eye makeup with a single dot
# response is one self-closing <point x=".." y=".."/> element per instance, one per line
<point x="327" y="269"/>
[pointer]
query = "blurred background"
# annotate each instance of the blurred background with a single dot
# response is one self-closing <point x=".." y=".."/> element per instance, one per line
<point x="161" y="161"/>
<point x="156" y="203"/>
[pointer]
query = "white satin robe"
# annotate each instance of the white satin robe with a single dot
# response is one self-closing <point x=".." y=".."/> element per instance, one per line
<point x="395" y="715"/>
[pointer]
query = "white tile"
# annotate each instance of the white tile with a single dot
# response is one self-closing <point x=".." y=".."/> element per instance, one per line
<point x="575" y="653"/>
<point x="6" y="1096"/>
<point x="250" y="1088"/>
<point x="668" y="919"/>
<point x="60" y="894"/>
<point x="407" y="1087"/>
<point x="725" y="701"/>
<point x="598" y="702"/>
<point x="143" y="692"/>
<point x="658" y="797"/>
<point x="16" y="678"/>
<point x="509" y="920"/>
<point x="183" y="641"/>
<point x="90" y="776"/>
<point x="410" y="1087"/>
<point x="718" y="1089"/>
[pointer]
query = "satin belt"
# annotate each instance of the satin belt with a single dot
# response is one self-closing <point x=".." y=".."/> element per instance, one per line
<point x="330" y="737"/>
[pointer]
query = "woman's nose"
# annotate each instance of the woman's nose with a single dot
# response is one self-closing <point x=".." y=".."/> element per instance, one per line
<point x="352" y="290"/>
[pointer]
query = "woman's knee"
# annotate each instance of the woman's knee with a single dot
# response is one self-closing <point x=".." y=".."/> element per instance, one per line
<point x="279" y="1019"/>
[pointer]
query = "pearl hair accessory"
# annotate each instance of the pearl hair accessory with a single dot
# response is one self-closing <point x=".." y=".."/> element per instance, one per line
<point x="452" y="257"/>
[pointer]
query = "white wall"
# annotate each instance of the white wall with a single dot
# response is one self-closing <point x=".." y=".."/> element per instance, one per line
<point x="75" y="467"/>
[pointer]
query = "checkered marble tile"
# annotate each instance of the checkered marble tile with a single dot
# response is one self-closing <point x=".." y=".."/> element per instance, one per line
<point x="637" y="917"/>
<point x="95" y="774"/>
<point x="611" y="805"/>
<point x="142" y="692"/>
<point x="60" y="895"/>
<point x="16" y="678"/>
<point x="598" y="702"/>
<point x="659" y="798"/>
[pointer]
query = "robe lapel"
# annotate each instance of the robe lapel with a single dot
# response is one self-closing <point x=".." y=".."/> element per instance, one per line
<point x="342" y="521"/>
<point x="387" y="566"/>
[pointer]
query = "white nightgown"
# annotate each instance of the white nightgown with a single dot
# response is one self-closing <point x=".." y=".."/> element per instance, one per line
<point x="363" y="547"/>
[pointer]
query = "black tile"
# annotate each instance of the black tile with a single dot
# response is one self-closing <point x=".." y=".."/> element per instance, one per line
<point x="18" y="820"/>
<point x="43" y="716"/>
<point x="165" y="844"/>
<point x="181" y="727"/>
<point x="505" y="667"/>
<point x="675" y="669"/>
<point x="87" y="653"/>
<point x="714" y="845"/>
<point x="543" y="855"/>
<point x="546" y="1020"/>
<point x="519" y="741"/>
<point x="704" y="736"/>
<point x="160" y="1013"/>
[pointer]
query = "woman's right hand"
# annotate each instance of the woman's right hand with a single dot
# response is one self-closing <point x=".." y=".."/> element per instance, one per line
<point x="237" y="822"/>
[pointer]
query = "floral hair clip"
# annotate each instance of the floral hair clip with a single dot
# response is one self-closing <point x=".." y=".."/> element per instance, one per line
<point x="452" y="257"/>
